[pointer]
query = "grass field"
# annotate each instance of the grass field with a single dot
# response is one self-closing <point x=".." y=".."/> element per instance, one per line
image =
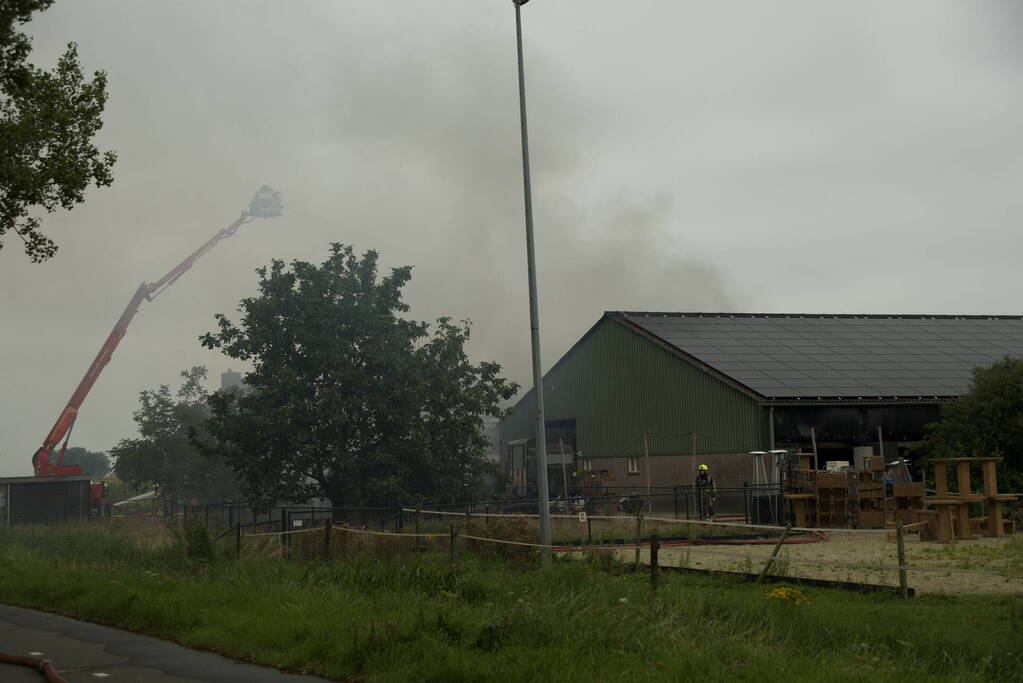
<point x="415" y="618"/>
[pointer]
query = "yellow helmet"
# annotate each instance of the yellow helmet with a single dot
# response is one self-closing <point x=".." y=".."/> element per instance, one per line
<point x="703" y="468"/>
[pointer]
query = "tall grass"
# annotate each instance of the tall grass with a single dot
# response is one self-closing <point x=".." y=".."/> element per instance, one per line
<point x="418" y="618"/>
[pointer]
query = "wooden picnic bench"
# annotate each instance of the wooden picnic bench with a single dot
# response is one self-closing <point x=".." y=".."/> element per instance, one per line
<point x="953" y="509"/>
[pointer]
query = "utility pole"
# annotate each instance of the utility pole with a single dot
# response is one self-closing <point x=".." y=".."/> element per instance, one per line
<point x="534" y="309"/>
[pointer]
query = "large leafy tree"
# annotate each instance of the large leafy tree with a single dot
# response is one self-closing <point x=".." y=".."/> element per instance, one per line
<point x="348" y="398"/>
<point x="164" y="455"/>
<point x="95" y="464"/>
<point x="986" y="421"/>
<point x="48" y="120"/>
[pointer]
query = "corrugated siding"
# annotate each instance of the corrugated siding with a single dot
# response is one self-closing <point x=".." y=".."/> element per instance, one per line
<point x="618" y="384"/>
<point x="43" y="502"/>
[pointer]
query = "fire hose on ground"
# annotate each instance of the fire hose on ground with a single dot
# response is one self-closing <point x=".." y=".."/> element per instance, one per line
<point x="44" y="666"/>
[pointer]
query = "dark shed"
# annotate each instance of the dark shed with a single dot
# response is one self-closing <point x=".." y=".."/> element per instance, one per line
<point x="26" y="500"/>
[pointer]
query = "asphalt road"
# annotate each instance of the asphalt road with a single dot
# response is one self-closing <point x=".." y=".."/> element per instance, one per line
<point x="88" y="652"/>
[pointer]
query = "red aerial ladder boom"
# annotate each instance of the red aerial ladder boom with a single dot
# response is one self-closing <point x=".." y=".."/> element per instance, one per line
<point x="265" y="204"/>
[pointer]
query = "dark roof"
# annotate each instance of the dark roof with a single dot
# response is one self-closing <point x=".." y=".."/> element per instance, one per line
<point x="44" y="480"/>
<point x="802" y="356"/>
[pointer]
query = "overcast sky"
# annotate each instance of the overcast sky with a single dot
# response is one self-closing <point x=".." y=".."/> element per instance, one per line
<point x="834" y="157"/>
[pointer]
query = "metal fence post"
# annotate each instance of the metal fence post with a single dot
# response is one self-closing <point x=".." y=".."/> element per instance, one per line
<point x="745" y="501"/>
<point x="451" y="547"/>
<point x="639" y="535"/>
<point x="419" y="540"/>
<point x="238" y="541"/>
<point x="654" y="547"/>
<point x="326" y="539"/>
<point x="285" y="538"/>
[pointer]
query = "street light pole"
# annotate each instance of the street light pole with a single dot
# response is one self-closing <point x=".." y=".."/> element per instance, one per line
<point x="534" y="310"/>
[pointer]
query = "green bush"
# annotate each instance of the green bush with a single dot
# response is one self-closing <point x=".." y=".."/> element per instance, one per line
<point x="194" y="541"/>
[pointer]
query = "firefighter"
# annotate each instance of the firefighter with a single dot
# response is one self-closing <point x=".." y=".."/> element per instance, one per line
<point x="705" y="488"/>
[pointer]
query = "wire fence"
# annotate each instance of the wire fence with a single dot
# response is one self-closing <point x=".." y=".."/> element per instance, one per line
<point x="750" y="503"/>
<point x="863" y="559"/>
<point x="742" y="531"/>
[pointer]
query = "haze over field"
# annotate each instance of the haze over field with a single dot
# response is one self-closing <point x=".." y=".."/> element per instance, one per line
<point x="819" y="157"/>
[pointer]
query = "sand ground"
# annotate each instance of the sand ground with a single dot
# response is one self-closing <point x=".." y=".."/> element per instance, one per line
<point x="985" y="565"/>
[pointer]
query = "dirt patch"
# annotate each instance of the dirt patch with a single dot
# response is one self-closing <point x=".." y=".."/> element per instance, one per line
<point x="985" y="565"/>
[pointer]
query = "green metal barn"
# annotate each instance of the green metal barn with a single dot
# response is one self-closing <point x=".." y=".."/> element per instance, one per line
<point x="643" y="397"/>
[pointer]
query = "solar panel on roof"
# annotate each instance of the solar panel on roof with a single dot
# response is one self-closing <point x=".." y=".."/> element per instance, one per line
<point x="793" y="356"/>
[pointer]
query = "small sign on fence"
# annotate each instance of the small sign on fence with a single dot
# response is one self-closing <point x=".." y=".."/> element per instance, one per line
<point x="582" y="516"/>
<point x="295" y="523"/>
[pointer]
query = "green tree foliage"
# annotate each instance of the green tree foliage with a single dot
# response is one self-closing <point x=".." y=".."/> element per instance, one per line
<point x="986" y="421"/>
<point x="48" y="120"/>
<point x="164" y="455"/>
<point x="348" y="398"/>
<point x="95" y="464"/>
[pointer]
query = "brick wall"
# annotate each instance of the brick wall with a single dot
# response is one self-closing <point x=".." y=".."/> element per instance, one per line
<point x="728" y="469"/>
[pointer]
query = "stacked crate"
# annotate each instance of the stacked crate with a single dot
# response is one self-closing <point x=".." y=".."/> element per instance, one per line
<point x="906" y="499"/>
<point x="870" y="511"/>
<point x="800" y="492"/>
<point x="833" y="508"/>
<point x="869" y="493"/>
